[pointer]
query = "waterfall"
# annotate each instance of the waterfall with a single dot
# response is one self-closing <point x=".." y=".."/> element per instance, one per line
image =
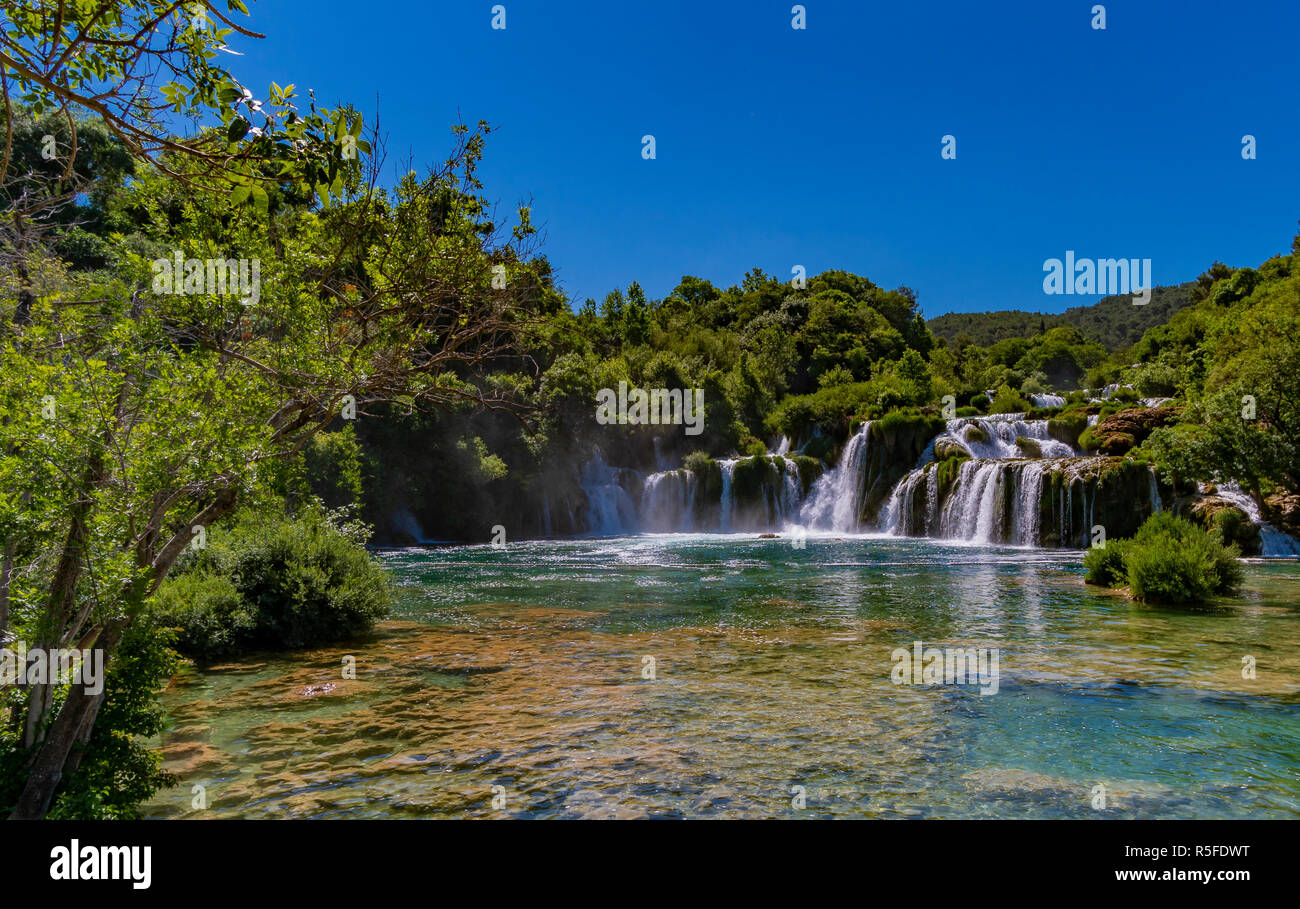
<point x="1274" y="544"/>
<point x="1046" y="400"/>
<point x="610" y="508"/>
<point x="998" y="496"/>
<point x="835" y="499"/>
<point x="791" y="490"/>
<point x="668" y="501"/>
<point x="724" y="510"/>
<point x="1000" y="432"/>
<point x="1000" y="501"/>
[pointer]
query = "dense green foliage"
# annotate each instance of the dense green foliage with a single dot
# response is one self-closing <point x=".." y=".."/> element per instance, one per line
<point x="1168" y="561"/>
<point x="136" y="411"/>
<point x="270" y="583"/>
<point x="1113" y="322"/>
<point x="117" y="771"/>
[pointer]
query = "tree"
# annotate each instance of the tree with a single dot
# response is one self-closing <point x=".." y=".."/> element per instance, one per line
<point x="165" y="406"/>
<point x="136" y="64"/>
<point x="135" y="410"/>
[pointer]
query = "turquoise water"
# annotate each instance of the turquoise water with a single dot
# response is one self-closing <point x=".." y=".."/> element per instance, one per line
<point x="526" y="668"/>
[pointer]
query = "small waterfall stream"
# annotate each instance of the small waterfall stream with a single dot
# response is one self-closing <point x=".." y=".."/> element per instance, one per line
<point x="1274" y="544"/>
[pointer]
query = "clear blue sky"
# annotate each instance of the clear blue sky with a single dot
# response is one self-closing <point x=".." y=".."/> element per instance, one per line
<point x="821" y="147"/>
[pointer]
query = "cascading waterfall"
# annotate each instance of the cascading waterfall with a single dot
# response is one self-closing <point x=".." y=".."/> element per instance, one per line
<point x="995" y="437"/>
<point x="791" y="490"/>
<point x="610" y="508"/>
<point x="998" y="501"/>
<point x="997" y="496"/>
<point x="668" y="501"/>
<point x="833" y="502"/>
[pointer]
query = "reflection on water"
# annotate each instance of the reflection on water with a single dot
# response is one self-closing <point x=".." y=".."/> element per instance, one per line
<point x="523" y="669"/>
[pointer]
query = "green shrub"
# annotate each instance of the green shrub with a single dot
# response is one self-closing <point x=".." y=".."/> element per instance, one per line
<point x="1068" y="426"/>
<point x="697" y="462"/>
<point x="980" y="403"/>
<point x="1165" y="569"/>
<point x="910" y="421"/>
<point x="836" y="375"/>
<point x="1169" y="560"/>
<point x="1008" y="400"/>
<point x="214" y="619"/>
<point x="829" y="409"/>
<point x="1105" y="566"/>
<point x="275" y="583"/>
<point x="1231" y="525"/>
<point x="118" y="771"/>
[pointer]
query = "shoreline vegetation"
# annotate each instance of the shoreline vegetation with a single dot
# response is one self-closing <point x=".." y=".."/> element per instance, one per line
<point x="198" y="464"/>
<point x="1169" y="561"/>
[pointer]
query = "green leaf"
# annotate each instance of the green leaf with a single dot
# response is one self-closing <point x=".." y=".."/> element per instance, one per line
<point x="260" y="198"/>
<point x="238" y="129"/>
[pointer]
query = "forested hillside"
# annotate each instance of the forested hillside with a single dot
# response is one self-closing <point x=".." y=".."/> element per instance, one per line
<point x="1113" y="322"/>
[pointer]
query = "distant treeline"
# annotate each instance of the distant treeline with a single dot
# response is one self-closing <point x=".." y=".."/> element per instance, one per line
<point x="1114" y="322"/>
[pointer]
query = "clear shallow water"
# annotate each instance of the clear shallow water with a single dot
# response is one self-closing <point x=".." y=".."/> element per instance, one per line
<point x="523" y="668"/>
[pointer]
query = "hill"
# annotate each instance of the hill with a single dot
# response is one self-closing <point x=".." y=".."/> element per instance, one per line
<point x="1114" y="322"/>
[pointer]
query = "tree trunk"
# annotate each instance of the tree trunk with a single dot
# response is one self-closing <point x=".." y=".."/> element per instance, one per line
<point x="70" y="727"/>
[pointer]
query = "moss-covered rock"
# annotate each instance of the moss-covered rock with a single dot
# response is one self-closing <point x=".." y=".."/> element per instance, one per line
<point x="1283" y="510"/>
<point x="1029" y="447"/>
<point x="975" y="433"/>
<point x="1119" y="432"/>
<point x="1067" y="427"/>
<point x="1081" y="493"/>
<point x="1232" y="525"/>
<point x="897" y="440"/>
<point x="809" y="470"/>
<point x="948" y="469"/>
<point x="747" y="479"/>
<point x="949" y="448"/>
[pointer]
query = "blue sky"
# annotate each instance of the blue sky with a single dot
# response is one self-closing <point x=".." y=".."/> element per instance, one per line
<point x="821" y="147"/>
